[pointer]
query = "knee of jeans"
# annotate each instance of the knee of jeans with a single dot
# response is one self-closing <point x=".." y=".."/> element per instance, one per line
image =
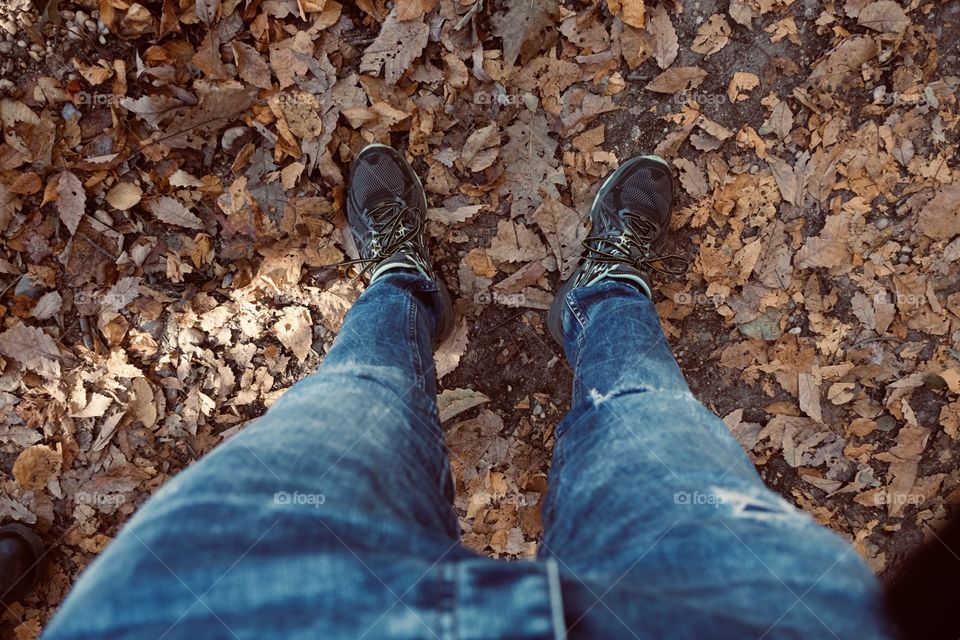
<point x="757" y="504"/>
<point x="596" y="398"/>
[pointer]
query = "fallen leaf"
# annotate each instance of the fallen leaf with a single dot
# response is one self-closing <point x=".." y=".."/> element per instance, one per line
<point x="124" y="195"/>
<point x="36" y="466"/>
<point x="71" y="200"/>
<point x="481" y="148"/>
<point x="665" y="43"/>
<point x="741" y="83"/>
<point x="47" y="306"/>
<point x="940" y="218"/>
<point x="712" y="36"/>
<point x="780" y="121"/>
<point x="565" y="231"/>
<point x="251" y="66"/>
<point x="532" y="168"/>
<point x="633" y="12"/>
<point x="32" y="348"/>
<point x="395" y="48"/>
<point x="676" y="79"/>
<point x="523" y="28"/>
<point x="809" y="396"/>
<point x="453" y="402"/>
<point x="829" y="249"/>
<point x="172" y="211"/>
<point x="692" y="178"/>
<point x="515" y="243"/>
<point x="294" y="330"/>
<point x="95" y="407"/>
<point x="449" y="352"/>
<point x="885" y="16"/>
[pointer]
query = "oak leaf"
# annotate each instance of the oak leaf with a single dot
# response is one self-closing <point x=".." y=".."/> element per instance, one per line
<point x="395" y="48"/>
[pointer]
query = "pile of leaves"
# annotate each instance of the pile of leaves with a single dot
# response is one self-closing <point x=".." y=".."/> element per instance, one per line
<point x="171" y="208"/>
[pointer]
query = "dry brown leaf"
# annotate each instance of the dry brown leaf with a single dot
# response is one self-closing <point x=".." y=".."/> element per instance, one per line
<point x="395" y="48"/>
<point x="532" y="168"/>
<point x="290" y="58"/>
<point x="633" y="12"/>
<point x="208" y="11"/>
<point x="453" y="402"/>
<point x="885" y="16"/>
<point x="740" y="85"/>
<point x="294" y="330"/>
<point x="448" y="353"/>
<point x="940" y="218"/>
<point x="95" y="407"/>
<point x="196" y="126"/>
<point x="71" y="200"/>
<point x="36" y="466"/>
<point x="829" y="249"/>
<point x="124" y="195"/>
<point x="565" y="231"/>
<point x="481" y="148"/>
<point x="47" y="306"/>
<point x="515" y="243"/>
<point x="677" y="79"/>
<point x="526" y="28"/>
<point x="172" y="211"/>
<point x="712" y="36"/>
<point x="251" y="66"/>
<point x="780" y="121"/>
<point x="692" y="178"/>
<point x="665" y="43"/>
<point x="32" y="348"/>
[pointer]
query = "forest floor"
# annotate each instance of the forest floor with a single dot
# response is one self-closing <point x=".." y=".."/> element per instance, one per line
<point x="171" y="208"/>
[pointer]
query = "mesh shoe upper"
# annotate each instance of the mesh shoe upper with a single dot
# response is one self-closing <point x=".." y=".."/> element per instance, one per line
<point x="643" y="188"/>
<point x="386" y="208"/>
<point x="630" y="216"/>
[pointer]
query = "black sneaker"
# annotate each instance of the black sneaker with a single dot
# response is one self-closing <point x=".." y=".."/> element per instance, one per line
<point x="387" y="210"/>
<point x="630" y="216"/>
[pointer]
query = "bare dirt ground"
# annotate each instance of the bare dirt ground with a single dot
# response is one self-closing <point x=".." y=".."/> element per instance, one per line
<point x="171" y="186"/>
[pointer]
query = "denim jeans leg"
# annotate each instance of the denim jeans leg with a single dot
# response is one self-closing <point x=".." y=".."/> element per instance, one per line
<point x="319" y="516"/>
<point x="656" y="513"/>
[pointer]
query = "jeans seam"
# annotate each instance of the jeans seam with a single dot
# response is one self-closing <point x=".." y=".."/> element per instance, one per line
<point x="412" y="341"/>
<point x="581" y="319"/>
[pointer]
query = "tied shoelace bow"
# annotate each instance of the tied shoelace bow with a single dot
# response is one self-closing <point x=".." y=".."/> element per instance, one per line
<point x="638" y="237"/>
<point x="390" y="233"/>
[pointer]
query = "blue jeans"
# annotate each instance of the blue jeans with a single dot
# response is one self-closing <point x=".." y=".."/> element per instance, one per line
<point x="331" y="516"/>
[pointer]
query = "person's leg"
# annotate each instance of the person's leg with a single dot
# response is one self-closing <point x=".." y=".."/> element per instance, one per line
<point x="317" y="520"/>
<point x="652" y="498"/>
<point x="655" y="513"/>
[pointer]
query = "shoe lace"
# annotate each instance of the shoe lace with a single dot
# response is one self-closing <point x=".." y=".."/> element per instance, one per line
<point x="394" y="230"/>
<point x="634" y="247"/>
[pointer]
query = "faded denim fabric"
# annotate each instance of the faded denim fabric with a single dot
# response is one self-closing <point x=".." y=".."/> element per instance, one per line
<point x="331" y="516"/>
